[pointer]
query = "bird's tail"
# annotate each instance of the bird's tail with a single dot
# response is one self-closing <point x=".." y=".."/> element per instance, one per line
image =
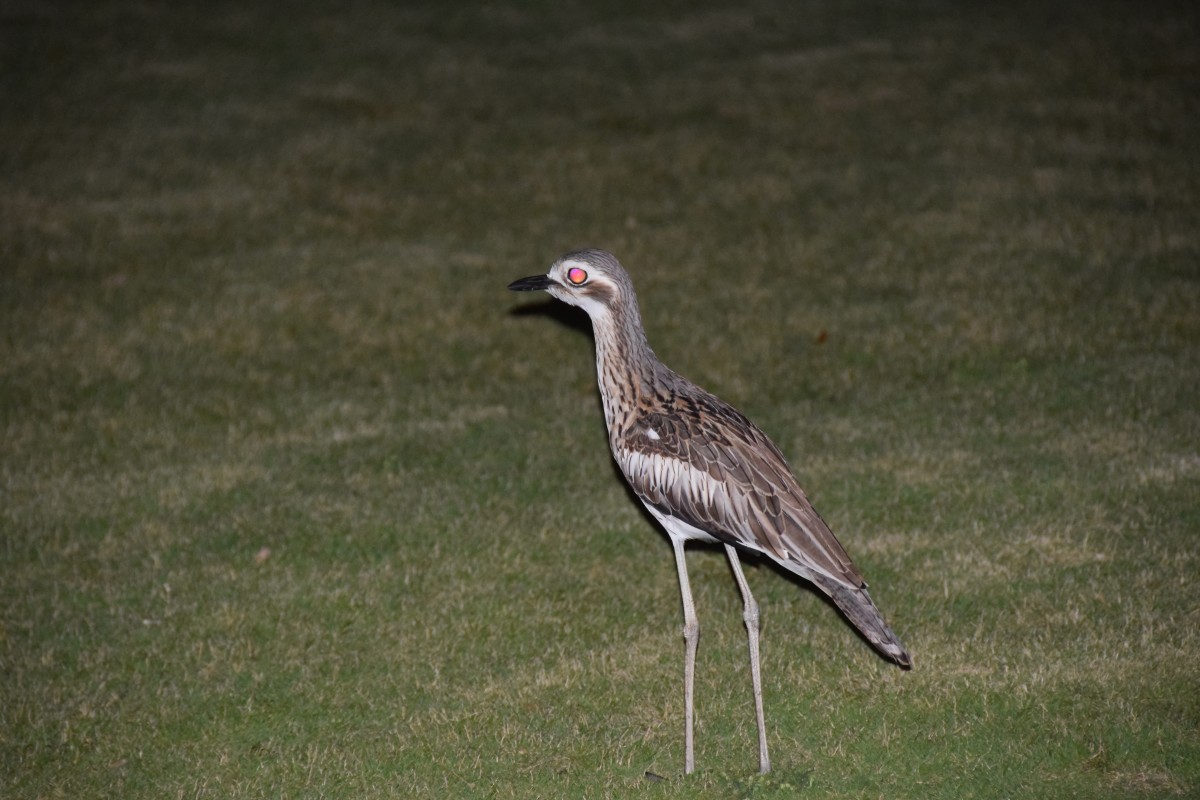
<point x="858" y="607"/>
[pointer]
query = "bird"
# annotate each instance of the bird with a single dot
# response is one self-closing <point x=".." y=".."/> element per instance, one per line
<point x="705" y="472"/>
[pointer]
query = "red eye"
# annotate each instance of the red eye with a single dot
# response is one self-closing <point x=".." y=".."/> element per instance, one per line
<point x="576" y="276"/>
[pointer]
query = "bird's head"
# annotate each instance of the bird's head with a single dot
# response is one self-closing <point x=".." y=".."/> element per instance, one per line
<point x="591" y="279"/>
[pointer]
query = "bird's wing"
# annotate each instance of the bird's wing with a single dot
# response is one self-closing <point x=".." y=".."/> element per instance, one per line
<point x="701" y="460"/>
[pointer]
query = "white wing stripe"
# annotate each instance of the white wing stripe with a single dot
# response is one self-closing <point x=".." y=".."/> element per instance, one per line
<point x="700" y="496"/>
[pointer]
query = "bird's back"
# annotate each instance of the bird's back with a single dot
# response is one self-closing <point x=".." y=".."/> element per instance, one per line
<point x="692" y="457"/>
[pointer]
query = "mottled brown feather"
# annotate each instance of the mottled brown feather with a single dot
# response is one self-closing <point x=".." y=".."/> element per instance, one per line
<point x="751" y="497"/>
<point x="695" y="459"/>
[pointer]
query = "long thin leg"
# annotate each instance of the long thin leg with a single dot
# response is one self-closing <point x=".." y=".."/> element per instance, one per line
<point x="750" y="615"/>
<point x="691" y="635"/>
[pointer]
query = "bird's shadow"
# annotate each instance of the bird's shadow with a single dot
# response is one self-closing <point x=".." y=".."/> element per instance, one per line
<point x="563" y="314"/>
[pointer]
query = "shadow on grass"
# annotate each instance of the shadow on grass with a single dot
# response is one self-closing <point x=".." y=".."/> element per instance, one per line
<point x="561" y="313"/>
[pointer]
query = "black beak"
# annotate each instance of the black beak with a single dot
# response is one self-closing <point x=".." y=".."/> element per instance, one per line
<point x="533" y="283"/>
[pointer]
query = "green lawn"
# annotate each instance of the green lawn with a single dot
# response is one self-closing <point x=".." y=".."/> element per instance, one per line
<point x="297" y="501"/>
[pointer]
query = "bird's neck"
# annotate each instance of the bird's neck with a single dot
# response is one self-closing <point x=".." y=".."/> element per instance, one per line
<point x="625" y="366"/>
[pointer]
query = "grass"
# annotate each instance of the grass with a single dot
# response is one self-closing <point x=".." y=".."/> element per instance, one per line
<point x="297" y="501"/>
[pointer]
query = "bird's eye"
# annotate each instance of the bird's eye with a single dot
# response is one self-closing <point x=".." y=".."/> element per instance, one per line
<point x="576" y="276"/>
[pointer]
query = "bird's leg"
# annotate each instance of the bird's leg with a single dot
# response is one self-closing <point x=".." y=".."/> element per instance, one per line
<point x="750" y="615"/>
<point x="691" y="635"/>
